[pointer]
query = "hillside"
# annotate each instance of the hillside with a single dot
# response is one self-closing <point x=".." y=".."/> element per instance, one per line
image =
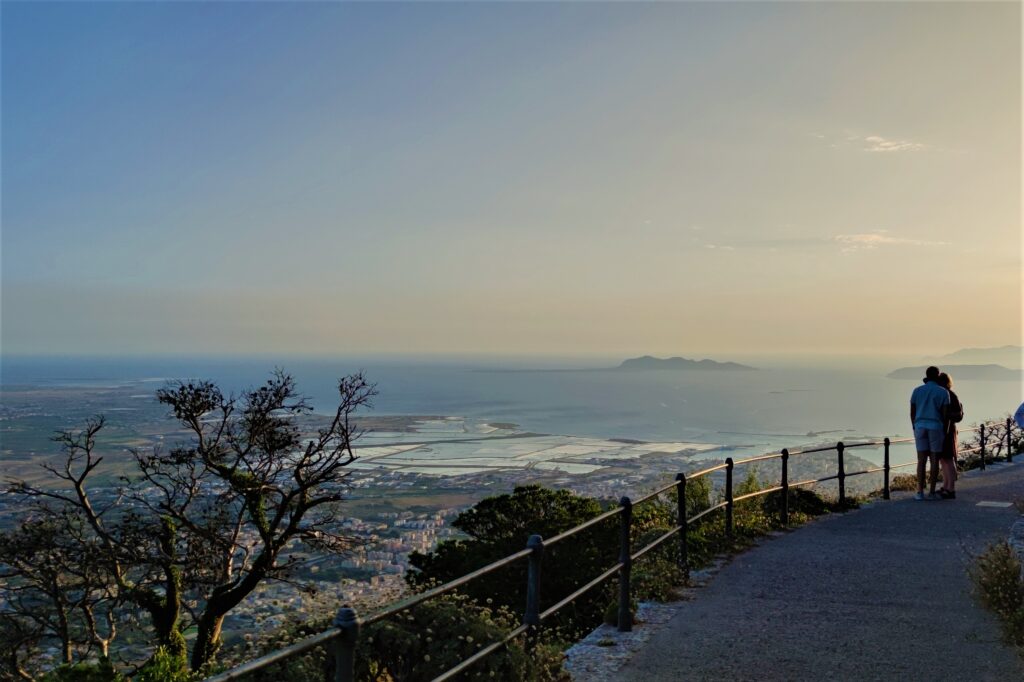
<point x="965" y="372"/>
<point x="648" y="362"/>
<point x="1007" y="356"/>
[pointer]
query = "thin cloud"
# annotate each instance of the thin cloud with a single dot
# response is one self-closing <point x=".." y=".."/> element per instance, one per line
<point x="871" y="143"/>
<point x="877" y="143"/>
<point x="866" y="241"/>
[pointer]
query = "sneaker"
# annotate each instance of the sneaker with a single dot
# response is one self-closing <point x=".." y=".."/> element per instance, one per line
<point x="934" y="496"/>
<point x="919" y="496"/>
<point x="948" y="494"/>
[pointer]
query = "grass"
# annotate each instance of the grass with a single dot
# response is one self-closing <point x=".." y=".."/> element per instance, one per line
<point x="999" y="585"/>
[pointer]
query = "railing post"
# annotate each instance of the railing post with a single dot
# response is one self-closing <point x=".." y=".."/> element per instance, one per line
<point x="625" y="617"/>
<point x="842" y="474"/>
<point x="728" y="497"/>
<point x="982" y="447"/>
<point x="531" y="618"/>
<point x="785" y="487"/>
<point x="885" y="467"/>
<point x="684" y="550"/>
<point x="344" y="645"/>
<point x="1009" y="430"/>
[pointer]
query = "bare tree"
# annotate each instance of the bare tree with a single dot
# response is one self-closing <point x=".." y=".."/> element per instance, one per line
<point x="208" y="521"/>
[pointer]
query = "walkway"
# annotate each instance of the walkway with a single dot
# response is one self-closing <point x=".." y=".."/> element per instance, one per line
<point x="877" y="594"/>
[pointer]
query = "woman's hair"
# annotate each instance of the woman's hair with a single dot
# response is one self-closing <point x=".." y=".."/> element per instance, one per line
<point x="945" y="381"/>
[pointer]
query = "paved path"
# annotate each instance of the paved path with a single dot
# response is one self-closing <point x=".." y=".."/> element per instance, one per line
<point x="877" y="594"/>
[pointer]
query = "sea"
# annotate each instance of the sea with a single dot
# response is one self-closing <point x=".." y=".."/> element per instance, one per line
<point x="782" y="403"/>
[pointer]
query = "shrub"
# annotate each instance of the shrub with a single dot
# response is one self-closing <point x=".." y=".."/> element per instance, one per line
<point x="903" y="482"/>
<point x="656" y="574"/>
<point x="997" y="578"/>
<point x="165" y="666"/>
<point x="996" y="574"/>
<point x="611" y="612"/>
<point x="426" y="640"/>
<point x="803" y="504"/>
<point x="500" y="525"/>
<point x="98" y="671"/>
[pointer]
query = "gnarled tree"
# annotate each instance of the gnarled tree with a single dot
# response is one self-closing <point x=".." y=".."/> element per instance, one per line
<point x="201" y="525"/>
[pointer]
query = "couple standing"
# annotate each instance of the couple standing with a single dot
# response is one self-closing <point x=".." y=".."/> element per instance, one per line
<point x="935" y="411"/>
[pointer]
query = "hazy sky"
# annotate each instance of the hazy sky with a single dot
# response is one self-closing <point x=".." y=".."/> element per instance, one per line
<point x="705" y="178"/>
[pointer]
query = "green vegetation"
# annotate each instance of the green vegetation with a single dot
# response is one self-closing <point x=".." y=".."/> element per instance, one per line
<point x="998" y="582"/>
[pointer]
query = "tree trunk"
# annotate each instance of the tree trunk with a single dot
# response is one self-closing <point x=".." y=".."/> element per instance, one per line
<point x="64" y="631"/>
<point x="207" y="640"/>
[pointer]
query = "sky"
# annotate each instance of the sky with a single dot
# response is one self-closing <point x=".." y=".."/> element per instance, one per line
<point x="520" y="178"/>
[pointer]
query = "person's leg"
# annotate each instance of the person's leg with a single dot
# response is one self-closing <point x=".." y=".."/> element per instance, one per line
<point x="922" y="459"/>
<point x="923" y="442"/>
<point x="948" y="474"/>
<point x="936" y="438"/>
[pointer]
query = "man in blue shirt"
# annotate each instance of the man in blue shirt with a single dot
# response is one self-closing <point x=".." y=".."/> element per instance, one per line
<point x="928" y="405"/>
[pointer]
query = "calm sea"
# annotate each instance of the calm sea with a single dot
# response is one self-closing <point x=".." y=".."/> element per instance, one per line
<point x="773" y="407"/>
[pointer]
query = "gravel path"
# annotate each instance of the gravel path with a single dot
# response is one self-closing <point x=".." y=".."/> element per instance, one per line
<point x="877" y="594"/>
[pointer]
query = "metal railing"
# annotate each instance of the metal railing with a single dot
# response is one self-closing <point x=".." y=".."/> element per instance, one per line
<point x="342" y="639"/>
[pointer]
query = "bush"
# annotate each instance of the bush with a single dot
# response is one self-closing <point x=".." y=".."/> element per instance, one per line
<point x="997" y="577"/>
<point x="657" y="574"/>
<point x="165" y="667"/>
<point x="424" y="641"/>
<point x="500" y="525"/>
<point x="803" y="504"/>
<point x="903" y="482"/>
<point x="611" y="612"/>
<point x="996" y="574"/>
<point x="98" y="671"/>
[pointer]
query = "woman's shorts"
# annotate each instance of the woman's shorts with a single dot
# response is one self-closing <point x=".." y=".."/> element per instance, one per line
<point x="929" y="440"/>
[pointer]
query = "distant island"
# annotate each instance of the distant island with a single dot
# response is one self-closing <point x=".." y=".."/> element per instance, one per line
<point x="648" y="362"/>
<point x="1007" y="356"/>
<point x="968" y="372"/>
<point x="641" y="364"/>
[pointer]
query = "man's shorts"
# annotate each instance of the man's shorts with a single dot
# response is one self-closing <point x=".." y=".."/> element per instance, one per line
<point x="928" y="439"/>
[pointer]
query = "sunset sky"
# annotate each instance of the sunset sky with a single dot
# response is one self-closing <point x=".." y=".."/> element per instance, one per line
<point x="613" y="178"/>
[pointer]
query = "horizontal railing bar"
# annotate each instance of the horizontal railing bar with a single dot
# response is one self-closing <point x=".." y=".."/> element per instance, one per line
<point x="893" y="441"/>
<point x="659" y="491"/>
<point x="483" y="653"/>
<point x="583" y="526"/>
<point x="798" y="484"/>
<point x="583" y="590"/>
<point x="901" y="466"/>
<point x="760" y="458"/>
<point x="442" y="589"/>
<point x="827" y="478"/>
<point x="705" y="472"/>
<point x="875" y="443"/>
<point x="813" y="450"/>
<point x="707" y="511"/>
<point x="867" y="471"/>
<point x="739" y="498"/>
<point x="299" y="647"/>
<point x="636" y="555"/>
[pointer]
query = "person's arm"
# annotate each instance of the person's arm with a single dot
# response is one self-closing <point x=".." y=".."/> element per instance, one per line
<point x="913" y="413"/>
<point x="956" y="411"/>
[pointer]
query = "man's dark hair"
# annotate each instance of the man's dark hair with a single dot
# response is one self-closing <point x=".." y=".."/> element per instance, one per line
<point x="931" y="374"/>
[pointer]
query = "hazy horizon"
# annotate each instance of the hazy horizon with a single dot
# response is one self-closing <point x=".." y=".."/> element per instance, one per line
<point x="590" y="180"/>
